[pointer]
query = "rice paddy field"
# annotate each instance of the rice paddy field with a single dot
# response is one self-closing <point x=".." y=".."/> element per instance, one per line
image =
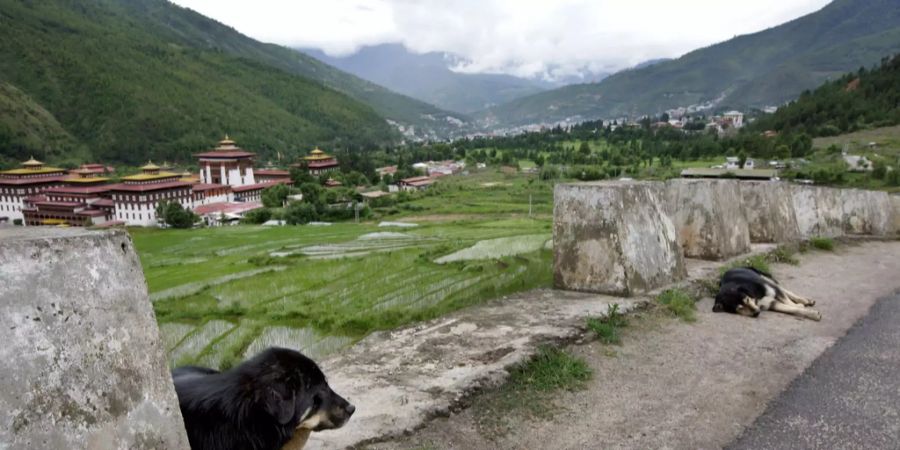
<point x="221" y="294"/>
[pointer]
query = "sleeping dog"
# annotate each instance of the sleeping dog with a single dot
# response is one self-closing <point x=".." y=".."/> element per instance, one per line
<point x="272" y="400"/>
<point x="747" y="291"/>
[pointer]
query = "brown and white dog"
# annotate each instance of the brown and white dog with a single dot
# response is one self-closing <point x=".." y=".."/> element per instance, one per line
<point x="748" y="291"/>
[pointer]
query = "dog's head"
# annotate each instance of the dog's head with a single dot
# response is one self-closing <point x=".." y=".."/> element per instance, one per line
<point x="733" y="300"/>
<point x="293" y="390"/>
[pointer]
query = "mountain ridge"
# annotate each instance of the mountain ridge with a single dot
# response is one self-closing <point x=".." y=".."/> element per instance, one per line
<point x="788" y="58"/>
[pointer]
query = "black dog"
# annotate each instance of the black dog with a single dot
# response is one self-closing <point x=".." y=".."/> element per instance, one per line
<point x="259" y="404"/>
<point x="747" y="291"/>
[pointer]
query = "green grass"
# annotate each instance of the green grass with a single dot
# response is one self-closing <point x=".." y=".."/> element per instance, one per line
<point x="783" y="255"/>
<point x="822" y="243"/>
<point x="758" y="262"/>
<point x="482" y="194"/>
<point x="530" y="390"/>
<point x="607" y="328"/>
<point x="679" y="303"/>
<point x="333" y="284"/>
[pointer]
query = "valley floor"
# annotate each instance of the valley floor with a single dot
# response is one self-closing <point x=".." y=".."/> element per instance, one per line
<point x="677" y="385"/>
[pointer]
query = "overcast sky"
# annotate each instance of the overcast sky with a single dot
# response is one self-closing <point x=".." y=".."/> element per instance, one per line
<point x="528" y="38"/>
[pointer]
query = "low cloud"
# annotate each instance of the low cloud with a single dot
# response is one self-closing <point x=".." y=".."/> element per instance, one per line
<point x="529" y="38"/>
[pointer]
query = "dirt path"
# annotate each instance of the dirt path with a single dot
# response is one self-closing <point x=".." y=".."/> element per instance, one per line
<point x="676" y="385"/>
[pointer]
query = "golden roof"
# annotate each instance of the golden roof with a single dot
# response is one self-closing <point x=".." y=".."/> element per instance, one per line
<point x="317" y="155"/>
<point x="32" y="167"/>
<point x="87" y="180"/>
<point x="149" y="176"/>
<point x="150" y="166"/>
<point x="32" y="163"/>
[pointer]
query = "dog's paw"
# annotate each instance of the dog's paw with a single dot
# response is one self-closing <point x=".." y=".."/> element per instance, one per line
<point x="815" y="315"/>
<point x="811" y="302"/>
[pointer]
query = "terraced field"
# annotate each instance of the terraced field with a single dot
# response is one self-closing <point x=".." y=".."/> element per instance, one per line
<point x="221" y="294"/>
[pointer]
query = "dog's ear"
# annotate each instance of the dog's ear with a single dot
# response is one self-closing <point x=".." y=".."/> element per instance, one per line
<point x="280" y="407"/>
<point x="717" y="307"/>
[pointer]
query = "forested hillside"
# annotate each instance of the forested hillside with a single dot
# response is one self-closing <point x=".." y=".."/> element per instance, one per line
<point x="129" y="80"/>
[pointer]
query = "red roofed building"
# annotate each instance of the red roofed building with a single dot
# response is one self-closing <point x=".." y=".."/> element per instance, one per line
<point x="137" y="196"/>
<point x="220" y="213"/>
<point x="205" y="194"/>
<point x="416" y="183"/>
<point x="264" y="175"/>
<point x="82" y="200"/>
<point x="227" y="164"/>
<point x="17" y="184"/>
<point x="318" y="163"/>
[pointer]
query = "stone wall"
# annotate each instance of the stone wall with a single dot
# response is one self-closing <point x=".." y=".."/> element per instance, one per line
<point x="708" y="217"/>
<point x="82" y="361"/>
<point x="770" y="211"/>
<point x="613" y="238"/>
<point x="617" y="237"/>
<point x="819" y="211"/>
<point x="867" y="212"/>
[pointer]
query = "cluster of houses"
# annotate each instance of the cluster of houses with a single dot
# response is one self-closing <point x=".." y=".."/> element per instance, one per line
<point x="432" y="171"/>
<point x="227" y="187"/>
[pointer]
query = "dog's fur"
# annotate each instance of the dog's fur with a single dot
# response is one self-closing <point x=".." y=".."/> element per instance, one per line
<point x="259" y="405"/>
<point x="748" y="291"/>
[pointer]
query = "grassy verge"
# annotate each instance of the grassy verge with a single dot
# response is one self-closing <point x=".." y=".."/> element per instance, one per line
<point x="531" y="388"/>
<point x="679" y="303"/>
<point x="822" y="243"/>
<point x="607" y="328"/>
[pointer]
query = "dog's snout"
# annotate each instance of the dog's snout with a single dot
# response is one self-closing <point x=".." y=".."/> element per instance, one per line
<point x="350" y="409"/>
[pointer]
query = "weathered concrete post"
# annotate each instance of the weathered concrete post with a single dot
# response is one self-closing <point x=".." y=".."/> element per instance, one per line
<point x="819" y="211"/>
<point x="613" y="238"/>
<point x="770" y="212"/>
<point x="866" y="212"/>
<point x="708" y="217"/>
<point x="83" y="365"/>
<point x="895" y="226"/>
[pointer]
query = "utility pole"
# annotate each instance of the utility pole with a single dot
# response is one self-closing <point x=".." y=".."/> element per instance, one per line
<point x="356" y="210"/>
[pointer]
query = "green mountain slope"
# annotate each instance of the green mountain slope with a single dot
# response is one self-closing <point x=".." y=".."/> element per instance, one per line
<point x="193" y="29"/>
<point x="756" y="70"/>
<point x="857" y="101"/>
<point x="28" y="128"/>
<point x="138" y="79"/>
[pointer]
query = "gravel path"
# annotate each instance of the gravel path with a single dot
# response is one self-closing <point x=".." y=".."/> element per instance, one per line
<point x="696" y="386"/>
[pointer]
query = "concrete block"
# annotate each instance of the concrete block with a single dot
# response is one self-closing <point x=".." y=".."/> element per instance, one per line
<point x="819" y="211"/>
<point x="770" y="212"/>
<point x="83" y="365"/>
<point x="895" y="201"/>
<point x="613" y="238"/>
<point x="866" y="212"/>
<point x="708" y="217"/>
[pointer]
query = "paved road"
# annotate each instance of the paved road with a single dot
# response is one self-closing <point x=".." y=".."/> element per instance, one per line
<point x="849" y="398"/>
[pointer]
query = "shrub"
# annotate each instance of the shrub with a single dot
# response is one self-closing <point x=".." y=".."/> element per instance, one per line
<point x="678" y="303"/>
<point x="822" y="243"/>
<point x="298" y="213"/>
<point x="258" y="216"/>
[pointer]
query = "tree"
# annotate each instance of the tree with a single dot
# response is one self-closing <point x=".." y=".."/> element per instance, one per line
<point x="298" y="213"/>
<point x="258" y="216"/>
<point x="174" y="215"/>
<point x="312" y="193"/>
<point x="275" y="196"/>
<point x="584" y="149"/>
<point x="742" y="159"/>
